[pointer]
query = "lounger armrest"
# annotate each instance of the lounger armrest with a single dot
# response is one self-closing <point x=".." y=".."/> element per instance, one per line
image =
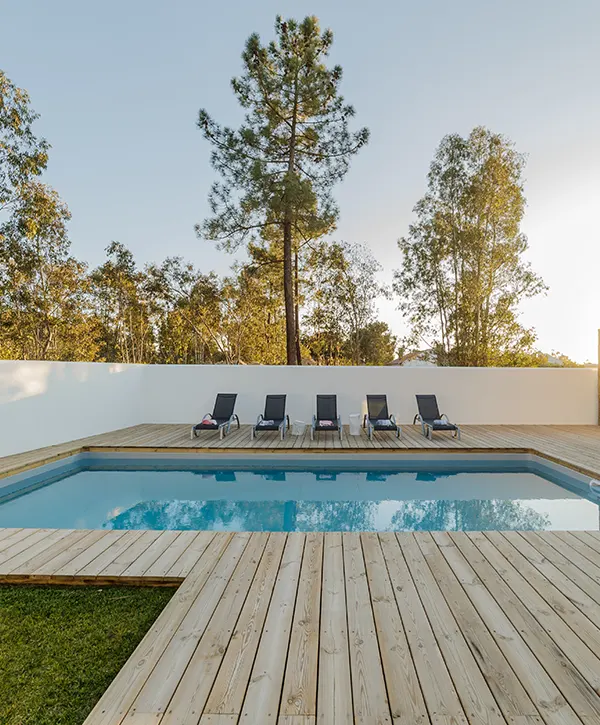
<point x="393" y="419"/>
<point x="236" y="418"/>
<point x="445" y="418"/>
<point x="365" y="419"/>
<point x="417" y="419"/>
<point x="260" y="417"/>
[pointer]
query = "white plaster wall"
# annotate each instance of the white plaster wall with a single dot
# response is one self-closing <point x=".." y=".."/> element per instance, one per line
<point x="178" y="394"/>
<point x="44" y="403"/>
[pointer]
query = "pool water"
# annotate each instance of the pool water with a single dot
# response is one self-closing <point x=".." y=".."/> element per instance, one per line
<point x="105" y="493"/>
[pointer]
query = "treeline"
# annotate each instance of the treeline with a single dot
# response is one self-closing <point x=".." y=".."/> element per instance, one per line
<point x="299" y="298"/>
<point x="53" y="308"/>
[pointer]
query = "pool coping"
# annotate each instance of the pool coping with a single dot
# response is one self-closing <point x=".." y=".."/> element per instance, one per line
<point x="295" y="452"/>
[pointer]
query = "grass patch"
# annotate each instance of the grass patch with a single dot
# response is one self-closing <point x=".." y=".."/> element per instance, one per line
<point x="60" y="647"/>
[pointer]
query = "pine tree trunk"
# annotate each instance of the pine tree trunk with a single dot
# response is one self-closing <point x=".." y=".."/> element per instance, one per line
<point x="288" y="291"/>
<point x="297" y="310"/>
<point x="288" y="281"/>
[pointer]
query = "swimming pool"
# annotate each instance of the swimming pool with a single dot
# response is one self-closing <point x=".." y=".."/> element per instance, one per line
<point x="307" y="492"/>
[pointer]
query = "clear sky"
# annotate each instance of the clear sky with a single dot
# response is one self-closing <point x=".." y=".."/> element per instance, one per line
<point x="119" y="85"/>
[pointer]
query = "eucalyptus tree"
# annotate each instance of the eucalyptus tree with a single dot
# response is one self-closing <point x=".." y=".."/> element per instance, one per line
<point x="278" y="169"/>
<point x="342" y="291"/>
<point x="44" y="295"/>
<point x="463" y="270"/>
<point x="123" y="308"/>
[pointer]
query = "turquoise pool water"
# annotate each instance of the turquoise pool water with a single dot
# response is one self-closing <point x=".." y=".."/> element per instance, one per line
<point x="321" y="495"/>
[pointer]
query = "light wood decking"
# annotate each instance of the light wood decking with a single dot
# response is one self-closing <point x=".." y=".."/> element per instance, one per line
<point x="321" y="629"/>
<point x="576" y="445"/>
<point x="478" y="628"/>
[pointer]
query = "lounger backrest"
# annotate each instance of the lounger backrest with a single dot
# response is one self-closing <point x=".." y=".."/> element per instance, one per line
<point x="377" y="407"/>
<point x="327" y="407"/>
<point x="275" y="407"/>
<point x="224" y="406"/>
<point x="428" y="407"/>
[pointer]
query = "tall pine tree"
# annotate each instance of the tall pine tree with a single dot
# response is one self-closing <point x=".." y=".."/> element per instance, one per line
<point x="279" y="167"/>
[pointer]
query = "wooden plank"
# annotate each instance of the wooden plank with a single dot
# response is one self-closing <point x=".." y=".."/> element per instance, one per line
<point x="32" y="567"/>
<point x="334" y="698"/>
<point x="406" y="699"/>
<point x="7" y="533"/>
<point x="583" y="659"/>
<point x="191" y="693"/>
<point x="588" y="538"/>
<point x="143" y="562"/>
<point x="22" y="544"/>
<point x="112" y="707"/>
<point x="588" y="557"/>
<point x="68" y="555"/>
<point x="171" y="554"/>
<point x="299" y="694"/>
<point x="368" y="683"/>
<point x="17" y="536"/>
<point x="479" y="582"/>
<point x="119" y="545"/>
<point x="158" y="689"/>
<point x="228" y="691"/>
<point x="83" y="559"/>
<point x="43" y="544"/>
<point x="570" y="603"/>
<point x="436" y="684"/>
<point x="261" y="703"/>
<point x="568" y="561"/>
<point x="187" y="560"/>
<point x="546" y="674"/>
<point x="471" y="686"/>
<point x="508" y="691"/>
<point x="130" y="555"/>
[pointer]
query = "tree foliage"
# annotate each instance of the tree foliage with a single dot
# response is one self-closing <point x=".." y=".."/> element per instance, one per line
<point x="43" y="290"/>
<point x="342" y="290"/>
<point x="463" y="274"/>
<point x="460" y="285"/>
<point x="279" y="167"/>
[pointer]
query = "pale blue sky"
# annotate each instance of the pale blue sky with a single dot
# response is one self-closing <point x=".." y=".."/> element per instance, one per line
<point x="119" y="85"/>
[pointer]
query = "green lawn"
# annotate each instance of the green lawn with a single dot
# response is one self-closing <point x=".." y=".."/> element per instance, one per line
<point x="60" y="647"/>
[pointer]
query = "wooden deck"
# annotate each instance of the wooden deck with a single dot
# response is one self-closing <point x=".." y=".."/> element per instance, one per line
<point x="337" y="629"/>
<point x="477" y="628"/>
<point x="577" y="446"/>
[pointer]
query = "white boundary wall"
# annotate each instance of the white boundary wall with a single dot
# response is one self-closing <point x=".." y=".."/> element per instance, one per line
<point x="43" y="403"/>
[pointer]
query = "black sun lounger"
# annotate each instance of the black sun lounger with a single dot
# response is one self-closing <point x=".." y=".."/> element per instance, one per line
<point x="430" y="418"/>
<point x="378" y="417"/>
<point x="221" y="418"/>
<point x="327" y="418"/>
<point x="274" y="417"/>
